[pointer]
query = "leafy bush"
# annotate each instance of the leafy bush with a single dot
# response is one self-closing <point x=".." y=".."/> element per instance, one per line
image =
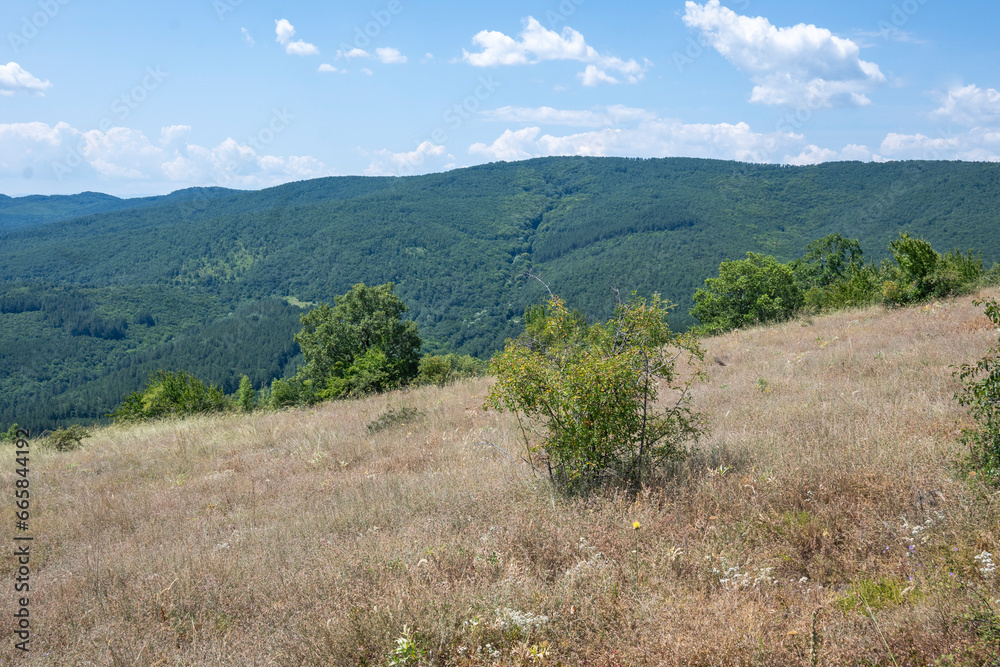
<point x="68" y="439"/>
<point x="171" y="394"/>
<point x="445" y="369"/>
<point x="245" y="395"/>
<point x="291" y="392"/>
<point x="593" y="391"/>
<point x="755" y="290"/>
<point x="981" y="393"/>
<point x="10" y="435"/>
<point x="923" y="273"/>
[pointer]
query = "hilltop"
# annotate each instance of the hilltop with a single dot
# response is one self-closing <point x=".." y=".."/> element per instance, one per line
<point x="821" y="516"/>
<point x="91" y="304"/>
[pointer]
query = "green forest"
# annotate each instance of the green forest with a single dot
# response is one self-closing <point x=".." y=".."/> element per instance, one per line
<point x="97" y="293"/>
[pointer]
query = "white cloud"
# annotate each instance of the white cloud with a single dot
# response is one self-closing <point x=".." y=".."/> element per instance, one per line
<point x="387" y="163"/>
<point x="284" y="31"/>
<point x="978" y="145"/>
<point x="971" y="106"/>
<point x="123" y="155"/>
<point x="428" y="58"/>
<point x="593" y="76"/>
<point x="612" y="115"/>
<point x="799" y="65"/>
<point x="326" y="67"/>
<point x="650" y="137"/>
<point x="15" y="79"/>
<point x="390" y="56"/>
<point x="538" y="44"/>
<point x="248" y="38"/>
<point x="353" y="53"/>
<point x="813" y="154"/>
<point x="366" y="71"/>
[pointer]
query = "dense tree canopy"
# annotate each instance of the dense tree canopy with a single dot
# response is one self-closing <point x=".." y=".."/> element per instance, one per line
<point x="755" y="290"/>
<point x="361" y="344"/>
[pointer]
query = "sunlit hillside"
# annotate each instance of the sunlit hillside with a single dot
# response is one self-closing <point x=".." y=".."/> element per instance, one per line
<point x="821" y="522"/>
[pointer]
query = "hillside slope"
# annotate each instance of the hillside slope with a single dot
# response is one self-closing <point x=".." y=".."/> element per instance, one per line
<point x="459" y="247"/>
<point x="822" y="513"/>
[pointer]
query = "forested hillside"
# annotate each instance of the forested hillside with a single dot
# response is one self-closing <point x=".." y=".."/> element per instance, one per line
<point x="202" y="280"/>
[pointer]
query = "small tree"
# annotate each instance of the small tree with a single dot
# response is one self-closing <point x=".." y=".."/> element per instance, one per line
<point x="359" y="345"/>
<point x="981" y="393"/>
<point x="827" y="261"/>
<point x="594" y="393"/>
<point x="245" y="395"/>
<point x="755" y="290"/>
<point x="171" y="394"/>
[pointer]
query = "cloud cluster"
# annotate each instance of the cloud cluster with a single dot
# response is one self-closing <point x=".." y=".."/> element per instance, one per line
<point x="537" y="44"/>
<point x="64" y="153"/>
<point x="799" y="65"/>
<point x="387" y="163"/>
<point x="385" y="55"/>
<point x="971" y="106"/>
<point x="15" y="79"/>
<point x="284" y="31"/>
<point x="637" y="133"/>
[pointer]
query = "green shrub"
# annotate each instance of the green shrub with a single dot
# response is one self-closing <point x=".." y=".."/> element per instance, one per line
<point x="593" y="392"/>
<point x="245" y="395"/>
<point x="171" y="394"/>
<point x="981" y="394"/>
<point x="755" y="290"/>
<point x="291" y="392"/>
<point x="445" y="369"/>
<point x="68" y="439"/>
<point x="10" y="435"/>
<point x="866" y="595"/>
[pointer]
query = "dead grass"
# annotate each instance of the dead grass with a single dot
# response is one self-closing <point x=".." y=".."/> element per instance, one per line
<point x="302" y="538"/>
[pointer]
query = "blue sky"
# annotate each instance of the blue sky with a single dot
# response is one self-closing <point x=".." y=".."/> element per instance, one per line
<point x="146" y="98"/>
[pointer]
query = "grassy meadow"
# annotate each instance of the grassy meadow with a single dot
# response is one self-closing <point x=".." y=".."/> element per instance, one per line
<point x="820" y="522"/>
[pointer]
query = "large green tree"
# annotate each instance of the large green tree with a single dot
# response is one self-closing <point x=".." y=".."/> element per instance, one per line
<point x="755" y="290"/>
<point x="360" y="345"/>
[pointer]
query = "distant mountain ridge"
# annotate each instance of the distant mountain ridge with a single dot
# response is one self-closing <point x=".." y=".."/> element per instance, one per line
<point x="18" y="212"/>
<point x="459" y="245"/>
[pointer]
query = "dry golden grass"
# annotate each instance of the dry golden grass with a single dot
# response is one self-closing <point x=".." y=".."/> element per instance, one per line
<point x="300" y="537"/>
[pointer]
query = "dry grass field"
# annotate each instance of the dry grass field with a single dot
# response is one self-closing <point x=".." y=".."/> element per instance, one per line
<point x="821" y="522"/>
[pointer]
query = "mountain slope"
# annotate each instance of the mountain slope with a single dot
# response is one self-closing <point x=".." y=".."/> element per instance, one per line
<point x="460" y="245"/>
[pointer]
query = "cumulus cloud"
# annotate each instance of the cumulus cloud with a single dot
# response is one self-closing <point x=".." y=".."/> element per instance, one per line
<point x="326" y="67"/>
<point x="387" y="163"/>
<point x="813" y="154"/>
<point x="284" y="31"/>
<point x="971" y="106"/>
<point x="976" y="145"/>
<point x="124" y="155"/>
<point x="353" y="53"/>
<point x="390" y="56"/>
<point x="802" y="64"/>
<point x="15" y="79"/>
<point x="651" y="136"/>
<point x="537" y="44"/>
